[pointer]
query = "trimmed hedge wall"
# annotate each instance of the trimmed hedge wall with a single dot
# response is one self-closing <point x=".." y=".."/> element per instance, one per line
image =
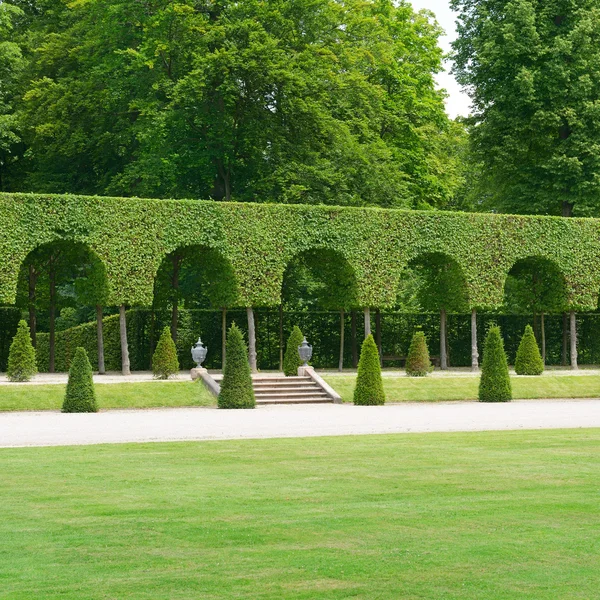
<point x="321" y="330"/>
<point x="9" y="322"/>
<point x="260" y="240"/>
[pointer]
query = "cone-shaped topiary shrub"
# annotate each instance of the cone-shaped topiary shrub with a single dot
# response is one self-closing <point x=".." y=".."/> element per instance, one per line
<point x="529" y="360"/>
<point x="494" y="385"/>
<point x="164" y="360"/>
<point x="291" y="360"/>
<point x="417" y="361"/>
<point x="369" y="387"/>
<point x="80" y="396"/>
<point x="21" y="356"/>
<point x="236" y="387"/>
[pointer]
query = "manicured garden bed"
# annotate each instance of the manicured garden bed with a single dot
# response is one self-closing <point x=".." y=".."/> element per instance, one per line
<point x="455" y="516"/>
<point x="440" y="389"/>
<point x="151" y="394"/>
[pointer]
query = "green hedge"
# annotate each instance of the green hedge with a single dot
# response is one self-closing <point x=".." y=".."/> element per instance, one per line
<point x="9" y="322"/>
<point x="321" y="330"/>
<point x="131" y="236"/>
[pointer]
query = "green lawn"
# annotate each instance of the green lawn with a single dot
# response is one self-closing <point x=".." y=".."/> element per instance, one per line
<point x="503" y="516"/>
<point x="439" y="389"/>
<point x="110" y="395"/>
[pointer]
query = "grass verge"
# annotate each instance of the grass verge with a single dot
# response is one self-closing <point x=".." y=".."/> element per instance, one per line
<point x="440" y="389"/>
<point x="149" y="394"/>
<point x="508" y="516"/>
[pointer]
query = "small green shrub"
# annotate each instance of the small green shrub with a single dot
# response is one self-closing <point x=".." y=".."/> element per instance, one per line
<point x="236" y="387"/>
<point x="529" y="360"/>
<point x="164" y="360"/>
<point x="494" y="385"/>
<point x="21" y="356"/>
<point x="417" y="361"/>
<point x="369" y="386"/>
<point x="80" y="396"/>
<point x="291" y="360"/>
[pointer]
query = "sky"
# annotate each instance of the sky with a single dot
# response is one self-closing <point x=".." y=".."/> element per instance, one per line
<point x="458" y="102"/>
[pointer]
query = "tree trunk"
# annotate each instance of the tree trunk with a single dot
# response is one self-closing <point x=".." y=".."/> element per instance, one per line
<point x="573" y="319"/>
<point x="281" y="340"/>
<point x="52" y="336"/>
<point x="378" y="335"/>
<point x="567" y="209"/>
<point x="543" y="332"/>
<point x="100" y="333"/>
<point x="251" y="340"/>
<point x="176" y="260"/>
<point x="125" y="365"/>
<point x="31" y="304"/>
<point x="354" y="343"/>
<point x="152" y="331"/>
<point x="474" y="352"/>
<point x="342" y="327"/>
<point x="443" y="355"/>
<point x="565" y="339"/>
<point x="223" y="336"/>
<point x="367" y="322"/>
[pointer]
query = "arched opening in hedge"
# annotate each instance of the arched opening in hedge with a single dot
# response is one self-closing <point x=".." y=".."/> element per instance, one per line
<point x="318" y="279"/>
<point x="434" y="282"/>
<point x="535" y="286"/>
<point x="190" y="279"/>
<point x="61" y="285"/>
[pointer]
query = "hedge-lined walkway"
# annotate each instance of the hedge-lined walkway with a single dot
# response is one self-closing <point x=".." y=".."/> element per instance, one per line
<point x="111" y="427"/>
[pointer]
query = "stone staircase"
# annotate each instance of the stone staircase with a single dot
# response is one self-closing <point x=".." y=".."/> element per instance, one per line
<point x="288" y="390"/>
<point x="278" y="389"/>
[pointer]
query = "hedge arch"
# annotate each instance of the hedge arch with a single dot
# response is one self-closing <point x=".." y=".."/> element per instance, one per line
<point x="131" y="236"/>
<point x="331" y="268"/>
<point x="551" y="275"/>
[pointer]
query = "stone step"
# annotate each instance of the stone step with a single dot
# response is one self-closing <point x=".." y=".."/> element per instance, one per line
<point x="295" y="394"/>
<point x="305" y="400"/>
<point x="285" y="388"/>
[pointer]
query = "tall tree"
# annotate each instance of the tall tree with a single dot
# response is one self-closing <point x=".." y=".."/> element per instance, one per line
<point x="314" y="101"/>
<point x="532" y="69"/>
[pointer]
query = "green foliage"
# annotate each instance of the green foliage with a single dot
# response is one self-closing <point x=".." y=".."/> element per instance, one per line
<point x="312" y="101"/>
<point x="21" y="357"/>
<point x="531" y="68"/>
<point x="80" y="396"/>
<point x="260" y="240"/>
<point x="291" y="359"/>
<point x="529" y="360"/>
<point x="494" y="385"/>
<point x="236" y="387"/>
<point x="535" y="285"/>
<point x="164" y="361"/>
<point x="417" y="361"/>
<point x="369" y="386"/>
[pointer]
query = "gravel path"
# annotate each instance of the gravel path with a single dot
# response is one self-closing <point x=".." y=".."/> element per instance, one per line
<point x="109" y="427"/>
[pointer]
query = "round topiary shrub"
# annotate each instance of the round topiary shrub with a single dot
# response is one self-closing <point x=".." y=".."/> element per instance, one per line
<point x="369" y="386"/>
<point x="80" y="396"/>
<point x="236" y="387"/>
<point x="494" y="385"/>
<point x="529" y="360"/>
<point x="21" y="356"/>
<point x="164" y="360"/>
<point x="417" y="361"/>
<point x="291" y="360"/>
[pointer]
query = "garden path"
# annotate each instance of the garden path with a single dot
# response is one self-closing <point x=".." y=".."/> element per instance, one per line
<point x="188" y="424"/>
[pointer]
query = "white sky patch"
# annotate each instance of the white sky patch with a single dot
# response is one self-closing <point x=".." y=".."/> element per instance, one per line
<point x="458" y="103"/>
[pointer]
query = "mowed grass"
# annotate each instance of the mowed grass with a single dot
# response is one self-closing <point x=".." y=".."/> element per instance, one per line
<point x="149" y="394"/>
<point x="511" y="515"/>
<point x="440" y="389"/>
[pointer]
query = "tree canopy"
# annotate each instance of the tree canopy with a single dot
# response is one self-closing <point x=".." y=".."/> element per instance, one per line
<point x="532" y="70"/>
<point x="311" y="101"/>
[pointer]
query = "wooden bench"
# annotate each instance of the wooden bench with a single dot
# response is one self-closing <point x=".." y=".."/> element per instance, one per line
<point x="435" y="360"/>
